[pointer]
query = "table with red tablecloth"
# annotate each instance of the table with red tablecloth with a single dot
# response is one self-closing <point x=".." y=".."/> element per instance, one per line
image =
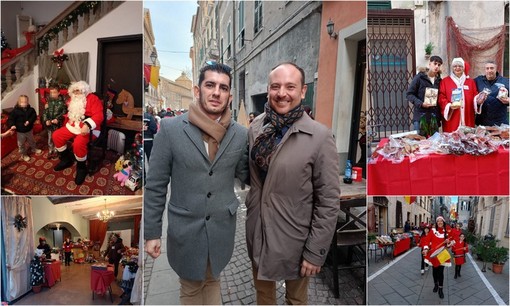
<point x="401" y="246"/>
<point x="441" y="174"/>
<point x="100" y="281"/>
<point x="52" y="273"/>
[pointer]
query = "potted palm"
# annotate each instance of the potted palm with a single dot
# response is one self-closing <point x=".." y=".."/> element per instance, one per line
<point x="483" y="250"/>
<point x="499" y="256"/>
<point x="36" y="273"/>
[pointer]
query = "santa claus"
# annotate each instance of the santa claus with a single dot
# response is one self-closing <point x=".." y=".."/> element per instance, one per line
<point x="85" y="114"/>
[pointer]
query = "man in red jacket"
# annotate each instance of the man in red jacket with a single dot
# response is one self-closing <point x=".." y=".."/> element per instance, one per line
<point x="85" y="114"/>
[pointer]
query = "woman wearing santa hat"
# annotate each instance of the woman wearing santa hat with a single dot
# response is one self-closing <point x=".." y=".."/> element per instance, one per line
<point x="458" y="98"/>
<point x="426" y="231"/>
<point x="434" y="248"/>
<point x="459" y="249"/>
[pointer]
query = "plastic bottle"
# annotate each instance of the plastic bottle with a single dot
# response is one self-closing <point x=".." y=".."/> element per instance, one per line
<point x="348" y="172"/>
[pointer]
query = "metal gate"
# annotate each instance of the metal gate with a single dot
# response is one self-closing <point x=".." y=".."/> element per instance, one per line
<point x="391" y="67"/>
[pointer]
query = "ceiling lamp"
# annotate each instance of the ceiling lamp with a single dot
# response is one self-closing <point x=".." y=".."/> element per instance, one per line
<point x="105" y="214"/>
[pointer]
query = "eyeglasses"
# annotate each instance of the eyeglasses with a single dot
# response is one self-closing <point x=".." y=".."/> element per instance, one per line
<point x="222" y="66"/>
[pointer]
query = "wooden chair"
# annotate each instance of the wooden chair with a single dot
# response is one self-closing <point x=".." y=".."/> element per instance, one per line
<point x="352" y="236"/>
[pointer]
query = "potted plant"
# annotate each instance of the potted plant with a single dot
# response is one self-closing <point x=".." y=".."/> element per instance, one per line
<point x="36" y="273"/>
<point x="499" y="256"/>
<point x="483" y="250"/>
<point x="428" y="50"/>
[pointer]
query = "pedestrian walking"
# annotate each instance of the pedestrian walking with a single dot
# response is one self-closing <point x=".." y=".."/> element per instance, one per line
<point x="459" y="249"/>
<point x="434" y="247"/>
<point x="424" y="233"/>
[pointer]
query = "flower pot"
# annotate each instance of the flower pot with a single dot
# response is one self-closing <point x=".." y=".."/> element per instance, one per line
<point x="36" y="289"/>
<point x="497" y="268"/>
<point x="427" y="56"/>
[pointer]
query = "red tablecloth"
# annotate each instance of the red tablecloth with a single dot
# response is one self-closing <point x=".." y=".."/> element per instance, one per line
<point x="438" y="174"/>
<point x="52" y="273"/>
<point x="401" y="246"/>
<point x="100" y="280"/>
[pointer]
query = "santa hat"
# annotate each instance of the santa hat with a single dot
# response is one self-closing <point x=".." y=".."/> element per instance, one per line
<point x="458" y="60"/>
<point x="81" y="86"/>
<point x="41" y="239"/>
<point x="439" y="218"/>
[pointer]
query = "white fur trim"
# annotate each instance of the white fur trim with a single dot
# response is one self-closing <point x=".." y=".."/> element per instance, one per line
<point x="91" y="122"/>
<point x="447" y="113"/>
<point x="61" y="149"/>
<point x="80" y="158"/>
<point x="76" y="130"/>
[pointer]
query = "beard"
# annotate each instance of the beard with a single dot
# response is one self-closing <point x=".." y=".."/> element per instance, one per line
<point x="76" y="109"/>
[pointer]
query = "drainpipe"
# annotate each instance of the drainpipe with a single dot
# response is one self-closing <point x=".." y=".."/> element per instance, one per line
<point x="235" y="105"/>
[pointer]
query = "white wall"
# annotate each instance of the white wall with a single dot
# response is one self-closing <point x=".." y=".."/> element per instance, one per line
<point x="24" y="88"/>
<point x="127" y="19"/>
<point x="44" y="212"/>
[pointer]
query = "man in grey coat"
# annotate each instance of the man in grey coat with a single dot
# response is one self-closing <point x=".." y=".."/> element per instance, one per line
<point x="294" y="200"/>
<point x="202" y="152"/>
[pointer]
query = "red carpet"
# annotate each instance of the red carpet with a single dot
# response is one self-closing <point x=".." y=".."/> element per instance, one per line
<point x="36" y="177"/>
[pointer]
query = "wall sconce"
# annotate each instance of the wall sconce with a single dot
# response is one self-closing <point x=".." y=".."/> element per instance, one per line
<point x="154" y="57"/>
<point x="331" y="29"/>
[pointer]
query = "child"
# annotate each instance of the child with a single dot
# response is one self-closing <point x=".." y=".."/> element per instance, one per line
<point x="53" y="117"/>
<point x="22" y="120"/>
<point x="459" y="249"/>
<point x="424" y="266"/>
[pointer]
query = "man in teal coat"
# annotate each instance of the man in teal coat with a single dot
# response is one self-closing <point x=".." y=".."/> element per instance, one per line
<point x="202" y="152"/>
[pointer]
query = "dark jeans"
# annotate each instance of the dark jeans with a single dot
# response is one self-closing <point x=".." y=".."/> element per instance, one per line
<point x="116" y="266"/>
<point x="438" y="274"/>
<point x="68" y="258"/>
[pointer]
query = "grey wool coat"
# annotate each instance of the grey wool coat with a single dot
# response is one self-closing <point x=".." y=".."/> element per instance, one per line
<point x="293" y="215"/>
<point x="202" y="206"/>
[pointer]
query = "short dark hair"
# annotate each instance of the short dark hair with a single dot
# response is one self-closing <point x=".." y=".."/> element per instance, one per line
<point x="491" y="62"/>
<point x="216" y="67"/>
<point x="295" y="66"/>
<point x="435" y="58"/>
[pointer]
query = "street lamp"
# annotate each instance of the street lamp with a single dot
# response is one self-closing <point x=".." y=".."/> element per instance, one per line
<point x="154" y="57"/>
<point x="330" y="26"/>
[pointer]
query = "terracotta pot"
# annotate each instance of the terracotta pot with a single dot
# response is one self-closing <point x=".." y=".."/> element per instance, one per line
<point x="36" y="289"/>
<point x="497" y="268"/>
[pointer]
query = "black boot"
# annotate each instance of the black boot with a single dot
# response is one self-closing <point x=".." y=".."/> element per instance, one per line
<point x="441" y="295"/>
<point x="66" y="160"/>
<point x="81" y="172"/>
<point x="436" y="286"/>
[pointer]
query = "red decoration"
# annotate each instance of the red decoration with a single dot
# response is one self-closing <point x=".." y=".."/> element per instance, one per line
<point x="59" y="57"/>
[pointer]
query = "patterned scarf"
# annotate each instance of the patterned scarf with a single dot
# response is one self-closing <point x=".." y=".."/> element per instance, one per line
<point x="212" y="130"/>
<point x="265" y="144"/>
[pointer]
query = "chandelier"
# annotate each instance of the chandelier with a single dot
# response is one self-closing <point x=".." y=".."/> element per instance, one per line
<point x="105" y="214"/>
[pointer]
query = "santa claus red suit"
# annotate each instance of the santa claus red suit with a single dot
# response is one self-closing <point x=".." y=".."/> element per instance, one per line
<point x="465" y="115"/>
<point x="434" y="242"/>
<point x="85" y="114"/>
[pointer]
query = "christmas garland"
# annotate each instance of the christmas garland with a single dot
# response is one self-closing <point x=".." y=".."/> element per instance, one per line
<point x="85" y="7"/>
<point x="20" y="222"/>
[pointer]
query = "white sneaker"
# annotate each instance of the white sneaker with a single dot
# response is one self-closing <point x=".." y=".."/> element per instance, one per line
<point x="37" y="151"/>
<point x="25" y="157"/>
<point x="426" y="268"/>
<point x="422" y="271"/>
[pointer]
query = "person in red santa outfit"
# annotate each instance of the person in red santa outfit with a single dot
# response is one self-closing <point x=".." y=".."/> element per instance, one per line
<point x="436" y="240"/>
<point x="459" y="100"/>
<point x="85" y="114"/>
<point x="459" y="249"/>
<point x="455" y="233"/>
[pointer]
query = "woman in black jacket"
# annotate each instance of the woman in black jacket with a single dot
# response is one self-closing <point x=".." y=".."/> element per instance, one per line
<point x="115" y="252"/>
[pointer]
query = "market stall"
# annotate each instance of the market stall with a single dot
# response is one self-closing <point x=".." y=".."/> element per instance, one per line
<point x="465" y="162"/>
<point x="400" y="246"/>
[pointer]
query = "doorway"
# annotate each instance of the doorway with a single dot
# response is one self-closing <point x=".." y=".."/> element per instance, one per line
<point x="119" y="66"/>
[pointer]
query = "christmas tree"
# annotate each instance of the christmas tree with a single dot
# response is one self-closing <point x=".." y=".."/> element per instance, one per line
<point x="5" y="45"/>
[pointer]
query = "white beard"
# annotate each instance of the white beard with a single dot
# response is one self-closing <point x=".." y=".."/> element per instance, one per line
<point x="76" y="109"/>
